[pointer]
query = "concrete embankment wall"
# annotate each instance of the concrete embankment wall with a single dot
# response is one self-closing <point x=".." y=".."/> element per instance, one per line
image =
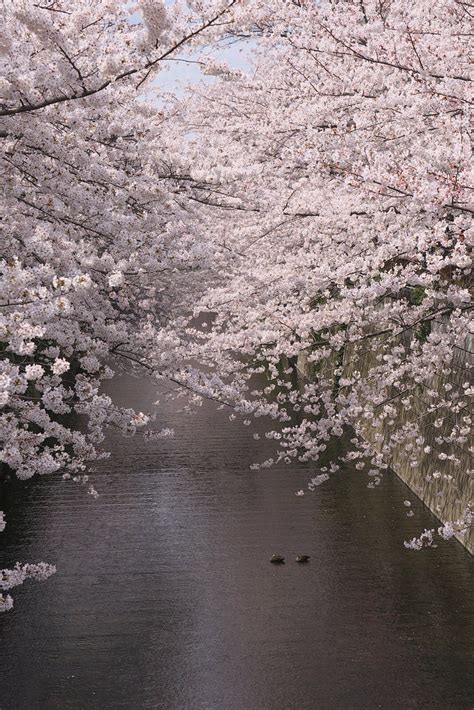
<point x="451" y="491"/>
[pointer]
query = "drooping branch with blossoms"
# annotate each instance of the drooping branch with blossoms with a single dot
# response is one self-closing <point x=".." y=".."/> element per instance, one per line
<point x="340" y="187"/>
<point x="98" y="251"/>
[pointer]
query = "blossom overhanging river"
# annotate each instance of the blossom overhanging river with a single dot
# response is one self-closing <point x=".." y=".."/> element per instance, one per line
<point x="165" y="598"/>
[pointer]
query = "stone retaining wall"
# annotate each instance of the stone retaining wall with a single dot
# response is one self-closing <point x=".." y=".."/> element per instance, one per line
<point x="447" y="498"/>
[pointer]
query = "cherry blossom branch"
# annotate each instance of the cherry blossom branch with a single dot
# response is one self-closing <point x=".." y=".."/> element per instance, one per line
<point x="29" y="107"/>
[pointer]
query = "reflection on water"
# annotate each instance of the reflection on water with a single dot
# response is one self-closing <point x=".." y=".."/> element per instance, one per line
<point x="165" y="597"/>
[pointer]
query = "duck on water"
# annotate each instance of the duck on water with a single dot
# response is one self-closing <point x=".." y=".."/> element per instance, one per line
<point x="302" y="559"/>
<point x="277" y="560"/>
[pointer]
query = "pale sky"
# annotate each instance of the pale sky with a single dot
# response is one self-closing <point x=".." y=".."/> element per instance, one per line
<point x="175" y="75"/>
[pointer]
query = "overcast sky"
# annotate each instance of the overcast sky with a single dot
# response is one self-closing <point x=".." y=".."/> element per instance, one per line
<point x="179" y="72"/>
<point x="175" y="75"/>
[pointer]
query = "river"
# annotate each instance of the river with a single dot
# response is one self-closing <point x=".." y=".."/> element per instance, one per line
<point x="165" y="597"/>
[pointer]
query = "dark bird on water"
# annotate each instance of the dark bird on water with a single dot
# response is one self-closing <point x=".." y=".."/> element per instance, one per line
<point x="303" y="558"/>
<point x="277" y="560"/>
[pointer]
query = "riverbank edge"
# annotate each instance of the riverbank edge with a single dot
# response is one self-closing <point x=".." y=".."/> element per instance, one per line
<point x="447" y="498"/>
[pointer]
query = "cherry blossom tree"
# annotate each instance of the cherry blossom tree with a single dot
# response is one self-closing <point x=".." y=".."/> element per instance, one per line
<point x="339" y="184"/>
<point x="98" y="250"/>
<point x="319" y="207"/>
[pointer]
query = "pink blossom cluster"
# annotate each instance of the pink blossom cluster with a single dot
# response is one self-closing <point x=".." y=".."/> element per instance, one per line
<point x="10" y="578"/>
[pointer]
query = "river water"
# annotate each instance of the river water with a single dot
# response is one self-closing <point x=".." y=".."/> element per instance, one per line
<point x="165" y="598"/>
